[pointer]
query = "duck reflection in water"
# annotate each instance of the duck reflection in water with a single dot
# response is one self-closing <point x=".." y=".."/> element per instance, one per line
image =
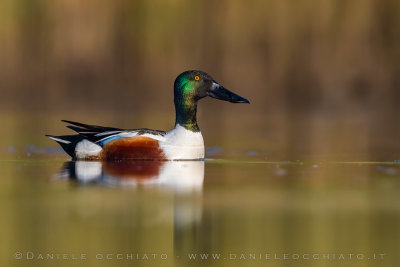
<point x="176" y="175"/>
<point x="182" y="179"/>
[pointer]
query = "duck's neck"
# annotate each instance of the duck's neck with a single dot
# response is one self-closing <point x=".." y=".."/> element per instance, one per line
<point x="186" y="110"/>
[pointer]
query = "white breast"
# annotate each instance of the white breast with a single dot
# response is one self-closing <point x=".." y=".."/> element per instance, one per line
<point x="181" y="143"/>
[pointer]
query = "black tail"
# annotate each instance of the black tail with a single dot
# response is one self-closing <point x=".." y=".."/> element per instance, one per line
<point x="67" y="142"/>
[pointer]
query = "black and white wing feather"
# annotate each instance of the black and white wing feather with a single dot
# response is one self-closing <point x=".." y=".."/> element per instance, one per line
<point x="93" y="133"/>
<point x="97" y="134"/>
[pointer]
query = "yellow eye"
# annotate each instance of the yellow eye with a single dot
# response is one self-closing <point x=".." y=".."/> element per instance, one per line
<point x="196" y="78"/>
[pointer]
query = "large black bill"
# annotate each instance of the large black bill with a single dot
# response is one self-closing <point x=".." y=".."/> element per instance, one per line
<point x="219" y="92"/>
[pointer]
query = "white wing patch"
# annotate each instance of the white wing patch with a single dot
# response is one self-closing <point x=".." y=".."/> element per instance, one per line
<point x="108" y="133"/>
<point x="59" y="140"/>
<point x="130" y="134"/>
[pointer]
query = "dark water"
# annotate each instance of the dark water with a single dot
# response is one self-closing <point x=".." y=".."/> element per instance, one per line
<point x="247" y="212"/>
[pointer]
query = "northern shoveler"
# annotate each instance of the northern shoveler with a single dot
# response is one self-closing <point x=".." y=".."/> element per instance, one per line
<point x="185" y="141"/>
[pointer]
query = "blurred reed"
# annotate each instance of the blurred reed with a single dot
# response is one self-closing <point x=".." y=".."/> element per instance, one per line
<point x="122" y="55"/>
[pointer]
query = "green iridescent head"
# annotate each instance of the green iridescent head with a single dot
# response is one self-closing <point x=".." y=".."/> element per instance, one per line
<point x="193" y="85"/>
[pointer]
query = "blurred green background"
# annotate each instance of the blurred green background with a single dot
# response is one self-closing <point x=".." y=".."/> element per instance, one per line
<point x="310" y="166"/>
<point x="322" y="75"/>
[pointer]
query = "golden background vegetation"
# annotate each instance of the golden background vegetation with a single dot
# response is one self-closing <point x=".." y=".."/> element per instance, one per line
<point x="303" y="64"/>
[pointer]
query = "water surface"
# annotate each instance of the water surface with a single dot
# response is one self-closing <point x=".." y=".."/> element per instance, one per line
<point x="245" y="211"/>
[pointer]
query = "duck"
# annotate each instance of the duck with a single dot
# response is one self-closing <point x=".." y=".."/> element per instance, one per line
<point x="183" y="142"/>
